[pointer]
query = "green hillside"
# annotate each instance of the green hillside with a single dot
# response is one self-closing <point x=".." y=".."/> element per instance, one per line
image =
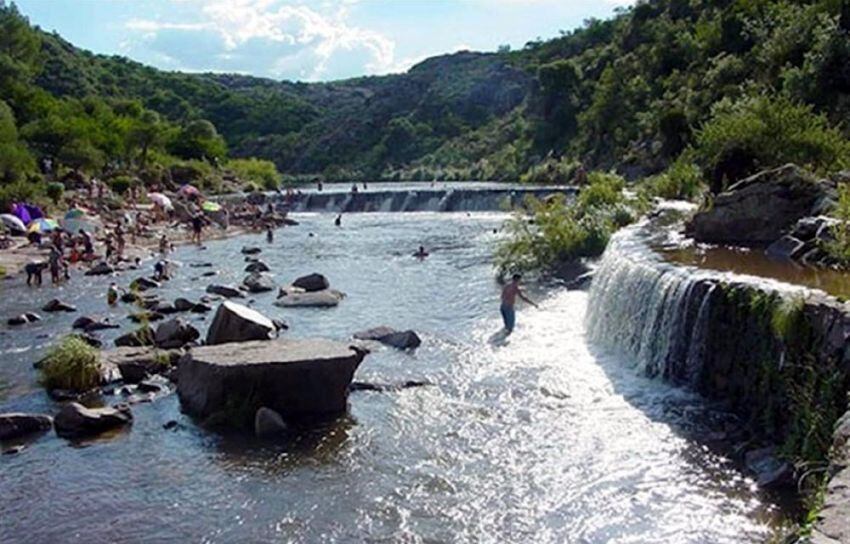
<point x="633" y="93"/>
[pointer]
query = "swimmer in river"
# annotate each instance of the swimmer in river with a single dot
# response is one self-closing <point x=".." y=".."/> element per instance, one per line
<point x="509" y="295"/>
<point x="421" y="253"/>
<point x="338" y="220"/>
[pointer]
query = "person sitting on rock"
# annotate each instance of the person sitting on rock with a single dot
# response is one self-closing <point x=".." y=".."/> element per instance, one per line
<point x="34" y="270"/>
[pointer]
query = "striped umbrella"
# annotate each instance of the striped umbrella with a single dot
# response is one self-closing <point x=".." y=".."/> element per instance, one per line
<point x="42" y="225"/>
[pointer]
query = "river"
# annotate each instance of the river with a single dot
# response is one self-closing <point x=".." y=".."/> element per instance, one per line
<point x="543" y="438"/>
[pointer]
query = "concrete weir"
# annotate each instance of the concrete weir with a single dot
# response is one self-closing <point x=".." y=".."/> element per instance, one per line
<point x="296" y="378"/>
<point x="776" y="354"/>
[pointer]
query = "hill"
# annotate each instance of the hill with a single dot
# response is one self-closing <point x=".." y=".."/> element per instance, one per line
<point x="632" y="93"/>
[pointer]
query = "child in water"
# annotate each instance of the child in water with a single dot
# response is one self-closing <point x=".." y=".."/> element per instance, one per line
<point x="112" y="294"/>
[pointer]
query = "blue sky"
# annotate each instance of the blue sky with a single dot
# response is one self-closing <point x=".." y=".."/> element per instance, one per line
<point x="304" y="40"/>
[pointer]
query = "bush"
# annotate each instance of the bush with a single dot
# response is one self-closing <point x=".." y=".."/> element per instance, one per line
<point x="839" y="246"/>
<point x="681" y="181"/>
<point x="551" y="171"/>
<point x="55" y="191"/>
<point x="762" y="132"/>
<point x="21" y="191"/>
<point x="259" y="172"/>
<point x="602" y="189"/>
<point x="71" y="365"/>
<point x="120" y="184"/>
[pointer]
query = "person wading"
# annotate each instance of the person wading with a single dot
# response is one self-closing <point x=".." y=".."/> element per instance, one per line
<point x="509" y="295"/>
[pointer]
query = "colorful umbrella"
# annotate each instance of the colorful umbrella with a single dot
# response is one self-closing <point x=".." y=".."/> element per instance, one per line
<point x="161" y="199"/>
<point x="209" y="206"/>
<point x="13" y="222"/>
<point x="77" y="223"/>
<point x="42" y="225"/>
<point x="74" y="213"/>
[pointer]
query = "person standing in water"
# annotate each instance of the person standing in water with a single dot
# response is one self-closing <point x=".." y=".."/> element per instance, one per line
<point x="112" y="294"/>
<point x="509" y="295"/>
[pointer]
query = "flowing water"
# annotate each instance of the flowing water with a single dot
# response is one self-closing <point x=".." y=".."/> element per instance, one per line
<point x="545" y="437"/>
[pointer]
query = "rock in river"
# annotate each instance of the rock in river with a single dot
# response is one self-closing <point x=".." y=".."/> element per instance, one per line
<point x="237" y="323"/>
<point x="257" y="266"/>
<point x="312" y="282"/>
<point x="175" y="333"/>
<point x="76" y="420"/>
<point x="391" y="337"/>
<point x="15" y="425"/>
<point x="100" y="269"/>
<point x="57" y="305"/>
<point x="321" y="299"/>
<point x="295" y="378"/>
<point x="268" y="423"/>
<point x="251" y="250"/>
<point x="228" y="291"/>
<point x="258" y="283"/>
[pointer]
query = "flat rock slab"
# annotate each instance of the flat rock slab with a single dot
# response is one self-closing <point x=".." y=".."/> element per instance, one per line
<point x="298" y="378"/>
<point x="312" y="299"/>
<point x="16" y="425"/>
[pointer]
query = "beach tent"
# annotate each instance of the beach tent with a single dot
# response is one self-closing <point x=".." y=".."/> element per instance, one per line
<point x="20" y="211"/>
<point x="13" y="222"/>
<point x="34" y="211"/>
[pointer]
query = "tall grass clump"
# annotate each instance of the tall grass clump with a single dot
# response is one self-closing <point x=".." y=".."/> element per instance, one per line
<point x="71" y="365"/>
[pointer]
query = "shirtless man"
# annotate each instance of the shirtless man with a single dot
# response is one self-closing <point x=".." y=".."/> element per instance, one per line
<point x="509" y="294"/>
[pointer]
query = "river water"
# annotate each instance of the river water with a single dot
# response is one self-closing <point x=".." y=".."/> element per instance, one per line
<point x="543" y="438"/>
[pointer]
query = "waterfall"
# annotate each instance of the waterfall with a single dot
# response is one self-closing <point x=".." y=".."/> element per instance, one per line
<point x="654" y="313"/>
<point x="417" y="200"/>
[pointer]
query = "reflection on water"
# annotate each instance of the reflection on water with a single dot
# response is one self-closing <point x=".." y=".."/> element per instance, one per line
<point x="756" y="263"/>
<point x="539" y="437"/>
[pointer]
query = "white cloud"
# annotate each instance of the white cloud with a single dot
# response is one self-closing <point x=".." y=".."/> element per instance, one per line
<point x="268" y="37"/>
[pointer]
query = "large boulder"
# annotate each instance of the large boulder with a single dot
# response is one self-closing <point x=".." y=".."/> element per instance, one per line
<point x="391" y="337"/>
<point x="295" y="378"/>
<point x="760" y="209"/>
<point x="143" y="284"/>
<point x="16" y="425"/>
<point x="175" y="333"/>
<point x="325" y="298"/>
<point x="312" y="282"/>
<point x="251" y="250"/>
<point x="237" y="323"/>
<point x="258" y="283"/>
<point x="75" y="420"/>
<point x="228" y="291"/>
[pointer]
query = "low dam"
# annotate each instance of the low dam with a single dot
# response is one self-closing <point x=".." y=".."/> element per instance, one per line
<point x="775" y="354"/>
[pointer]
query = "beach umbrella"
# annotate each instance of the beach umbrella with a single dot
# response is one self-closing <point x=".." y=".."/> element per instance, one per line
<point x="209" y="206"/>
<point x="160" y="199"/>
<point x="74" y="213"/>
<point x="42" y="225"/>
<point x="189" y="190"/>
<point x="13" y="222"/>
<point x="77" y="223"/>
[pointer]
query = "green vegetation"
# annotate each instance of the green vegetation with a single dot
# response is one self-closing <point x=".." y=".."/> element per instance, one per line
<point x="732" y="84"/>
<point x="549" y="232"/>
<point x="71" y="365"/>
<point x="262" y="173"/>
<point x="839" y="246"/>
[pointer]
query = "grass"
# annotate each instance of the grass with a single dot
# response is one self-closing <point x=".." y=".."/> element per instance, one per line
<point x="71" y="365"/>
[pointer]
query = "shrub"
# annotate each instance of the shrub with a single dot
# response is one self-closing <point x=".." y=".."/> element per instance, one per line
<point x="603" y="189"/>
<point x="21" y="191"/>
<point x="839" y="246"/>
<point x="55" y="191"/>
<point x="71" y="365"/>
<point x="681" y="181"/>
<point x="120" y="184"/>
<point x="551" y="171"/>
<point x="766" y="131"/>
<point x="259" y="172"/>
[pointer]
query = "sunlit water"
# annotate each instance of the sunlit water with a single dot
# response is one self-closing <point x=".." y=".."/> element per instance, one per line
<point x="540" y="439"/>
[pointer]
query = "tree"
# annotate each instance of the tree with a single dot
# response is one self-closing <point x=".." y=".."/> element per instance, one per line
<point x="145" y="133"/>
<point x="199" y="140"/>
<point x="15" y="159"/>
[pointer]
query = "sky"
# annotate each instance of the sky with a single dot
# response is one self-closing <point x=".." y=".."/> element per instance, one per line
<point x="304" y="40"/>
